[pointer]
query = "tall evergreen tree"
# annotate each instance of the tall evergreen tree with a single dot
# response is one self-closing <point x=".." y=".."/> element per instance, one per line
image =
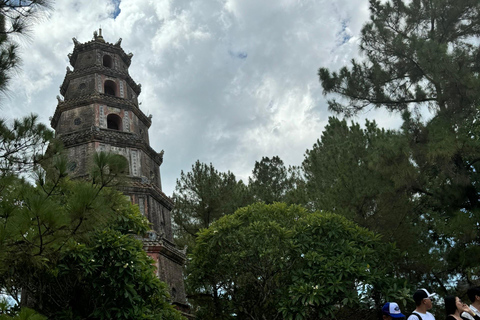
<point x="268" y="182"/>
<point x="365" y="174"/>
<point x="417" y="53"/>
<point x="272" y="182"/>
<point x="62" y="240"/>
<point x="423" y="54"/>
<point x="67" y="249"/>
<point x="202" y="196"/>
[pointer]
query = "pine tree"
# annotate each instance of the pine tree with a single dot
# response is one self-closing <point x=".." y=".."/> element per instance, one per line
<point x="16" y="19"/>
<point x="268" y="182"/>
<point x="416" y="55"/>
<point x="202" y="196"/>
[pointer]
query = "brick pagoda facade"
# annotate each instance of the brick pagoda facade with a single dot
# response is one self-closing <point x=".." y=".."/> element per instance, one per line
<point x="100" y="112"/>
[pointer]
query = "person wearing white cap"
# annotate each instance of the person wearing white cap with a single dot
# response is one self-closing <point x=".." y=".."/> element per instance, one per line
<point x="391" y="310"/>
<point x="423" y="301"/>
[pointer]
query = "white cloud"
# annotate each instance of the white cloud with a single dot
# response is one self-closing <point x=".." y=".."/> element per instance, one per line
<point x="226" y="81"/>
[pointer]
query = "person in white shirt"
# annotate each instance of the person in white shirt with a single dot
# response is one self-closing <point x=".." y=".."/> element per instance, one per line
<point x="423" y="301"/>
<point x="474" y="296"/>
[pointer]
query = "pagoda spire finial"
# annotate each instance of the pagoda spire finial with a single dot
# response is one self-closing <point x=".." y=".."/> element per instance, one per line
<point x="98" y="37"/>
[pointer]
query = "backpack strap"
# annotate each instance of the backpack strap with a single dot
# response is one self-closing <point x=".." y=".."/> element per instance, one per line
<point x="417" y="315"/>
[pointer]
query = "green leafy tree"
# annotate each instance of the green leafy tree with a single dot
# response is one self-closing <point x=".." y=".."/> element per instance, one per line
<point x="297" y="192"/>
<point x="420" y="54"/>
<point x="108" y="277"/>
<point x="283" y="262"/>
<point x="349" y="171"/>
<point x="24" y="314"/>
<point x="202" y="196"/>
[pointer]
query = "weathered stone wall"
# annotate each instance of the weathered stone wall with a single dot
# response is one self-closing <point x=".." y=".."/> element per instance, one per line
<point x="80" y="86"/>
<point x="80" y="159"/>
<point x="132" y="95"/>
<point x="167" y="269"/>
<point x="131" y="154"/>
<point x="167" y="220"/>
<point x="140" y="128"/>
<point x="76" y="119"/>
<point x="155" y="215"/>
<point x="158" y="215"/>
<point x="85" y="60"/>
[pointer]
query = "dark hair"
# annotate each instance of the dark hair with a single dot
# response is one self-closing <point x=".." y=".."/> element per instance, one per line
<point x="419" y="295"/>
<point x="450" y="304"/>
<point x="418" y="302"/>
<point x="472" y="292"/>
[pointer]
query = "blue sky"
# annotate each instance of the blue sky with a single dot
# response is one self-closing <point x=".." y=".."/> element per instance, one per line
<point x="116" y="10"/>
<point x="227" y="81"/>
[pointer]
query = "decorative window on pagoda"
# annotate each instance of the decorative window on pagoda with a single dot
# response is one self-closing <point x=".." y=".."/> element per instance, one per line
<point x="107" y="61"/>
<point x="110" y="88"/>
<point x="141" y="205"/>
<point x="114" y="122"/>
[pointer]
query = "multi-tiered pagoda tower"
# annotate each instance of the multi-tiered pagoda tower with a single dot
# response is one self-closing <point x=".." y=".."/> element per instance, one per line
<point x="100" y="112"/>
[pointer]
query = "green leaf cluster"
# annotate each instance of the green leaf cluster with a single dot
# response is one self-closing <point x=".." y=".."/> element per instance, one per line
<point x="284" y="262"/>
<point x="367" y="175"/>
<point x="272" y="182"/>
<point x="204" y="194"/>
<point x="109" y="277"/>
<point x="24" y="314"/>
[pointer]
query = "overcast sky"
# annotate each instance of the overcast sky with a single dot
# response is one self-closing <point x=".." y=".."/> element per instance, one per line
<point x="227" y="81"/>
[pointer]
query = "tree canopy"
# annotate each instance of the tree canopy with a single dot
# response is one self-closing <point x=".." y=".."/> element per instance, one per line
<point x="202" y="196"/>
<point x="418" y="55"/>
<point x="283" y="262"/>
<point x="416" y="185"/>
<point x="366" y="175"/>
<point x="268" y="182"/>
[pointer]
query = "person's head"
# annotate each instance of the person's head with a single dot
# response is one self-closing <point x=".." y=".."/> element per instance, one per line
<point x="452" y="305"/>
<point x="423" y="299"/>
<point x="473" y="294"/>
<point x="391" y="310"/>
